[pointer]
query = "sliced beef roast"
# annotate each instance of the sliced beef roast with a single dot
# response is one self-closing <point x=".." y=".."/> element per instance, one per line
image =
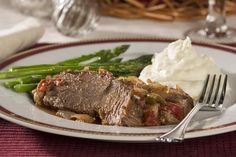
<point x="116" y="101"/>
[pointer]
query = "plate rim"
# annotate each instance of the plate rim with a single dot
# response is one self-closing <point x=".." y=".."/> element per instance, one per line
<point x="41" y="49"/>
<point x="5" y="114"/>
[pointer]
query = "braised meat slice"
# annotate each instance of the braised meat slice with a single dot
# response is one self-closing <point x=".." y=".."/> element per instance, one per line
<point x="91" y="93"/>
<point x="116" y="101"/>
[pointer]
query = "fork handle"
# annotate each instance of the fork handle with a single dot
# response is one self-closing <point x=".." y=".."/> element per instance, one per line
<point x="178" y="132"/>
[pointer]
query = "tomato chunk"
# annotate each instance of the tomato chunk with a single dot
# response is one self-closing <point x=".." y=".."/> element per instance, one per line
<point x="176" y="110"/>
<point x="150" y="118"/>
<point x="43" y="84"/>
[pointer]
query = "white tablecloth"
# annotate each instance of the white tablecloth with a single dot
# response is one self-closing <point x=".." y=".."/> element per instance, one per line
<point x="108" y="27"/>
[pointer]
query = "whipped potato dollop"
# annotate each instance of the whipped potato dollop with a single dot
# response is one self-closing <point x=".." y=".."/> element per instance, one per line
<point x="179" y="64"/>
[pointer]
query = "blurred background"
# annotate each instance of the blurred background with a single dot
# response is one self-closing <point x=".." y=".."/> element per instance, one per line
<point x="112" y="19"/>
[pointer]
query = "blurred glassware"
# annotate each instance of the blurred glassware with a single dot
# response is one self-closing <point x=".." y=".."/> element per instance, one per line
<point x="215" y="28"/>
<point x="75" y="17"/>
<point x="38" y="8"/>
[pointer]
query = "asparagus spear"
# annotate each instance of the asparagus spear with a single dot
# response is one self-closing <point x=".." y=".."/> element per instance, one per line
<point x="11" y="83"/>
<point x="23" y="80"/>
<point x="25" y="87"/>
<point x="112" y="54"/>
<point x="31" y="67"/>
<point x="103" y="55"/>
<point x="15" y="74"/>
<point x="145" y="59"/>
<point x="31" y="79"/>
<point x="117" y="68"/>
<point x="133" y="66"/>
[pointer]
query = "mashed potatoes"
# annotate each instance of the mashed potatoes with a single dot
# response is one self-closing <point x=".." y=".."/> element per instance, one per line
<point x="179" y="64"/>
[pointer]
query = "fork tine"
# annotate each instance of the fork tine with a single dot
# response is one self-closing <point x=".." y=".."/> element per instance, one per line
<point x="201" y="98"/>
<point x="224" y="89"/>
<point x="215" y="91"/>
<point x="208" y="90"/>
<point x="211" y="89"/>
<point x="221" y="93"/>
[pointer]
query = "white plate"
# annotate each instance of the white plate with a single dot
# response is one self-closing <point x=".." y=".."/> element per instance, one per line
<point x="19" y="108"/>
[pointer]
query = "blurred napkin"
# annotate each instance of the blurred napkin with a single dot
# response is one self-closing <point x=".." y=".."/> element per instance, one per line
<point x="20" y="36"/>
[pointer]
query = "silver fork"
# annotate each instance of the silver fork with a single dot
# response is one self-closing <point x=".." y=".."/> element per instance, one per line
<point x="212" y="95"/>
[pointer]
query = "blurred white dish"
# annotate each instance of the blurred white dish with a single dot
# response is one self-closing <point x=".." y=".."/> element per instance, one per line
<point x="19" y="37"/>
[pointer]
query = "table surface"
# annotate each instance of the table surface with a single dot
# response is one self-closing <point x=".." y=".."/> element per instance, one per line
<point x="16" y="140"/>
<point x="20" y="141"/>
